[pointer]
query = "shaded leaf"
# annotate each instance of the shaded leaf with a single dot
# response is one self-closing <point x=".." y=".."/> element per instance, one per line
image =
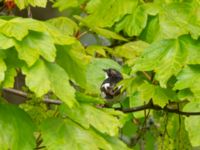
<point x="77" y="137"/>
<point x="189" y="77"/>
<point x="12" y="121"/>
<point x="69" y="58"/>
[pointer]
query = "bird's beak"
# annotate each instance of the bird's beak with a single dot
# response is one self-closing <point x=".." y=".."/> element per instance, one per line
<point x="105" y="70"/>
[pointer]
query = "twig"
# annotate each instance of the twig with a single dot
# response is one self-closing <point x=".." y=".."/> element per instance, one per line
<point x="146" y="75"/>
<point x="152" y="106"/>
<point x="25" y="95"/>
<point x="29" y="12"/>
<point x="79" y="35"/>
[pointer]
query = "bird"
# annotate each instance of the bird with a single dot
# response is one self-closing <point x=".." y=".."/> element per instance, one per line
<point x="109" y="89"/>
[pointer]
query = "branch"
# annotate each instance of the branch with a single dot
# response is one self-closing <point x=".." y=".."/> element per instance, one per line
<point x="25" y="95"/>
<point x="152" y="106"/>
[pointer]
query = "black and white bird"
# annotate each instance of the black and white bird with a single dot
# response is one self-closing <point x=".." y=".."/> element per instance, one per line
<point x="109" y="90"/>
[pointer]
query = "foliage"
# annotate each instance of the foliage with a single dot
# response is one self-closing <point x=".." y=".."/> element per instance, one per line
<point x="155" y="44"/>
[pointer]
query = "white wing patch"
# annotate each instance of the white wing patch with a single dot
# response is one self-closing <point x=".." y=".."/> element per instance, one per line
<point x="106" y="85"/>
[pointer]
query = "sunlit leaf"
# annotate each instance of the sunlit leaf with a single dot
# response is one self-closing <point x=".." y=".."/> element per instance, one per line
<point x="106" y="15"/>
<point x="134" y="23"/>
<point x="64" y="4"/>
<point x="52" y="78"/>
<point x="87" y="116"/>
<point x="14" y="28"/>
<point x="5" y="42"/>
<point x="165" y="58"/>
<point x="34" y="45"/>
<point x="64" y="24"/>
<point x="2" y="70"/>
<point x="159" y="95"/>
<point x="9" y="78"/>
<point x="24" y="3"/>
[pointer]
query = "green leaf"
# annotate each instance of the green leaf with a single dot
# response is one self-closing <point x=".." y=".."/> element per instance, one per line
<point x="160" y="96"/>
<point x="87" y="116"/>
<point x="192" y="123"/>
<point x="60" y="84"/>
<point x="2" y="70"/>
<point x="55" y="132"/>
<point x="38" y="3"/>
<point x="95" y="75"/>
<point x="36" y="75"/>
<point x="65" y="4"/>
<point x="69" y="58"/>
<point x="173" y="20"/>
<point x="108" y="34"/>
<point x="134" y="23"/>
<point x="88" y="99"/>
<point x="193" y="48"/>
<point x="34" y="45"/>
<point x="165" y="58"/>
<point x="96" y="49"/>
<point x="58" y="37"/>
<point x="189" y="77"/>
<point x="13" y="121"/>
<point x="24" y="3"/>
<point x="5" y="42"/>
<point x="52" y="78"/>
<point x="102" y="15"/>
<point x="14" y="28"/>
<point x="134" y="101"/>
<point x="131" y="50"/>
<point x="104" y="32"/>
<point x="116" y="143"/>
<point x="65" y="25"/>
<point x="9" y="78"/>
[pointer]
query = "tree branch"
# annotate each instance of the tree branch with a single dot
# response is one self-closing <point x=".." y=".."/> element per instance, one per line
<point x="152" y="106"/>
<point x="25" y="95"/>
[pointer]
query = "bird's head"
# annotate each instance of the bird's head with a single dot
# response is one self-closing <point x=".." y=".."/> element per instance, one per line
<point x="112" y="73"/>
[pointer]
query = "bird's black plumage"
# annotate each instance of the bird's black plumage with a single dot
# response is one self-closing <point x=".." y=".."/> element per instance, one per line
<point x="108" y="87"/>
